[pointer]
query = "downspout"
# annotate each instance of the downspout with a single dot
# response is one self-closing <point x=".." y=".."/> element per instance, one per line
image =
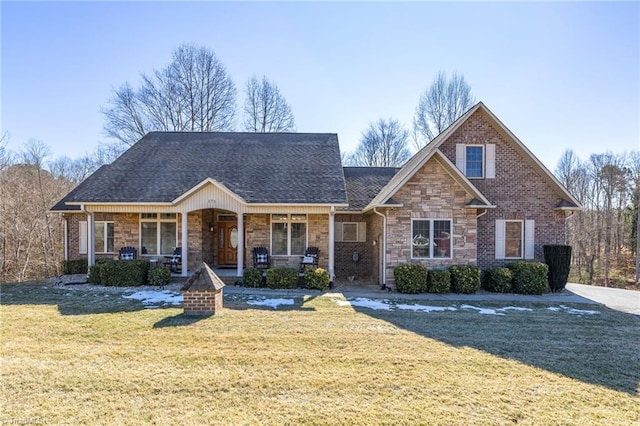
<point x="482" y="214"/>
<point x="384" y="248"/>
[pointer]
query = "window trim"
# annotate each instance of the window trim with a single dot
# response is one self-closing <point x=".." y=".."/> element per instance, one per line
<point x="158" y="219"/>
<point x="104" y="224"/>
<point x="466" y="161"/>
<point x="431" y="243"/>
<point x="522" y="242"/>
<point x="288" y="221"/>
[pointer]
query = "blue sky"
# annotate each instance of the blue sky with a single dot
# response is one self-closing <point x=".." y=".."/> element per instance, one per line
<point x="559" y="75"/>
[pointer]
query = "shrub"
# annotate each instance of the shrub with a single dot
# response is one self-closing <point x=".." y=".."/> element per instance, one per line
<point x="558" y="259"/>
<point x="95" y="272"/>
<point x="439" y="281"/>
<point x="317" y="279"/>
<point x="75" y="266"/>
<point x="529" y="277"/>
<point x="282" y="278"/>
<point x="252" y="277"/>
<point x="498" y="280"/>
<point x="410" y="278"/>
<point x="465" y="279"/>
<point x="159" y="276"/>
<point x="124" y="273"/>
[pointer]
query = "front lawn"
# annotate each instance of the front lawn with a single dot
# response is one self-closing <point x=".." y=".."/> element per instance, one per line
<point x="91" y="356"/>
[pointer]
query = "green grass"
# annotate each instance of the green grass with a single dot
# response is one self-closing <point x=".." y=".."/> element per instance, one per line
<point x="88" y="356"/>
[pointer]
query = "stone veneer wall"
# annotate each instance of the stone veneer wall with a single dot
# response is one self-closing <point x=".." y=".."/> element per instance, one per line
<point x="430" y="194"/>
<point x="258" y="234"/>
<point x="519" y="191"/>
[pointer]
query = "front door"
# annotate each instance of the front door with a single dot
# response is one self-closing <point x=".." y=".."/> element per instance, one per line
<point x="228" y="243"/>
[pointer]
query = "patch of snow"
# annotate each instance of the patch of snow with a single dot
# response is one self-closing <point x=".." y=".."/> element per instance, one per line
<point x="484" y="311"/>
<point x="573" y="311"/>
<point x="150" y="297"/>
<point x="364" y="302"/>
<point x="425" y="308"/>
<point x="274" y="303"/>
<point x="554" y="309"/>
<point x="513" y="308"/>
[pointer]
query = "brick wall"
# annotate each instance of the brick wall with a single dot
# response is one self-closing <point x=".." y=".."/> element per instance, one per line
<point x="519" y="190"/>
<point x="430" y="194"/>
<point x="202" y="302"/>
<point x="344" y="264"/>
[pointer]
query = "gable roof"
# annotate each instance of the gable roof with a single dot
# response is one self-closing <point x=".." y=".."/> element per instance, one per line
<point x="364" y="183"/>
<point x="270" y="168"/>
<point x="431" y="150"/>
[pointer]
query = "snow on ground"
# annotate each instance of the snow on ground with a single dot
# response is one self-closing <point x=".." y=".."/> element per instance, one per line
<point x="274" y="303"/>
<point x="572" y="311"/>
<point x="387" y="305"/>
<point x="151" y="298"/>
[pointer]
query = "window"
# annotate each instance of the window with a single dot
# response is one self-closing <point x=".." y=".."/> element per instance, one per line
<point x="475" y="161"/>
<point x="515" y="239"/>
<point x="103" y="237"/>
<point x="288" y="234"/>
<point x="431" y="239"/>
<point x="158" y="233"/>
<point x="350" y="232"/>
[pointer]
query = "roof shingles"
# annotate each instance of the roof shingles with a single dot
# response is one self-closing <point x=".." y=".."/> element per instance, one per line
<point x="302" y="168"/>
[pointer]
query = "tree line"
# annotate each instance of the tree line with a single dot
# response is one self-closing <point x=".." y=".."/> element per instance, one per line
<point x="604" y="235"/>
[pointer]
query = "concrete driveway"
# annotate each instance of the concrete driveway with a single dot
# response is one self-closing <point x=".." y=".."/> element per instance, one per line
<point x="614" y="298"/>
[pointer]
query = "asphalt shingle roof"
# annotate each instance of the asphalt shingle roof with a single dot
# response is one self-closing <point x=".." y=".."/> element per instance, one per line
<point x="302" y="168"/>
<point x="364" y="183"/>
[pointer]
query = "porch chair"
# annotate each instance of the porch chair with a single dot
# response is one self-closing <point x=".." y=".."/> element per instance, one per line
<point x="174" y="261"/>
<point x="127" y="253"/>
<point x="310" y="258"/>
<point x="261" y="258"/>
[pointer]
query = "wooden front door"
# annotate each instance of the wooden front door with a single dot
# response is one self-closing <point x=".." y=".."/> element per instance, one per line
<point x="228" y="243"/>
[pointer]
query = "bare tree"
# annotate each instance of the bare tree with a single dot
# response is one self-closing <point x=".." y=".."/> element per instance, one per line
<point x="439" y="106"/>
<point x="265" y="109"/>
<point x="192" y="93"/>
<point x="383" y="144"/>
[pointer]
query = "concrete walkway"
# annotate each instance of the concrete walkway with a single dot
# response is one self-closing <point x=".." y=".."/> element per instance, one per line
<point x="622" y="300"/>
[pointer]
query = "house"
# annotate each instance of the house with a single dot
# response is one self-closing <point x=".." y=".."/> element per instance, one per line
<point x="474" y="195"/>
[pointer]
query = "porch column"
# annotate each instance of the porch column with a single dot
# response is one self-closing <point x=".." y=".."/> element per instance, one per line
<point x="331" y="243"/>
<point x="240" y="244"/>
<point x="91" y="237"/>
<point x="185" y="244"/>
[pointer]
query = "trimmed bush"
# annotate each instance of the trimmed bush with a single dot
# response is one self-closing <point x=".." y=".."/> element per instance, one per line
<point x="317" y="279"/>
<point x="252" y="277"/>
<point x="124" y="273"/>
<point x="558" y="259"/>
<point x="95" y="272"/>
<point x="498" y="280"/>
<point x="439" y="281"/>
<point x="410" y="278"/>
<point x="159" y="276"/>
<point x="465" y="279"/>
<point x="529" y="277"/>
<point x="75" y="266"/>
<point x="282" y="278"/>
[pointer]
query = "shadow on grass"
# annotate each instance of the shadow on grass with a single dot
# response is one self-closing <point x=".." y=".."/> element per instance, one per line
<point x="72" y="301"/>
<point x="179" y="320"/>
<point x="601" y="349"/>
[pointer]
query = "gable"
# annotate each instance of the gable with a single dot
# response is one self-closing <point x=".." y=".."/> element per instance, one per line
<point x="515" y="170"/>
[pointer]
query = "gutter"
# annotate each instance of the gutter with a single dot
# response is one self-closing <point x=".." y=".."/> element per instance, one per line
<point x="384" y="247"/>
